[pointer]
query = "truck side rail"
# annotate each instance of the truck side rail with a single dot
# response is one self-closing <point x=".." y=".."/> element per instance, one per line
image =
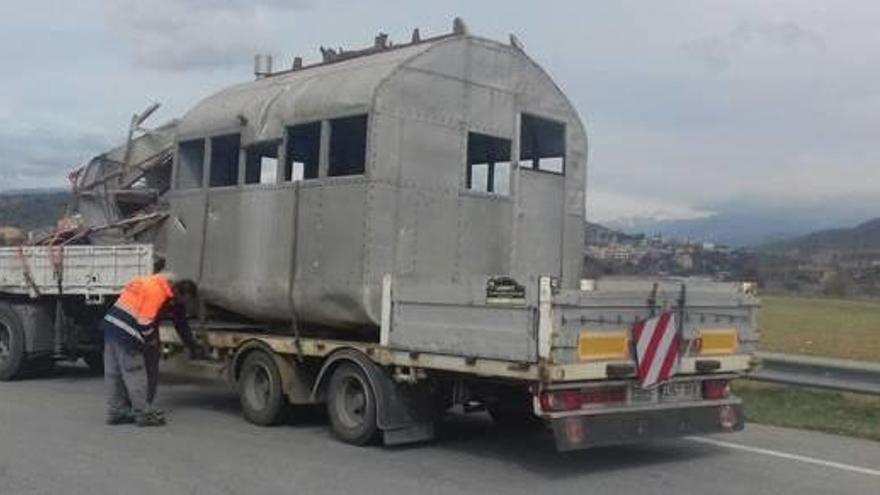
<point x="91" y="271"/>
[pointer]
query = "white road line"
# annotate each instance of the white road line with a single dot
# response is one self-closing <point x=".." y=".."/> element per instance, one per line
<point x="785" y="455"/>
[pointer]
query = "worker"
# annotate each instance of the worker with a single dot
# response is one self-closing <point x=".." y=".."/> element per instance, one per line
<point x="131" y="344"/>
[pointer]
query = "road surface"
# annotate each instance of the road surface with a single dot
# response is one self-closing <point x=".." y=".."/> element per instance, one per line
<point x="52" y="441"/>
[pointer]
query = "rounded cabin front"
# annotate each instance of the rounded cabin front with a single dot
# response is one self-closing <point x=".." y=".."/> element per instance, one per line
<point x="441" y="163"/>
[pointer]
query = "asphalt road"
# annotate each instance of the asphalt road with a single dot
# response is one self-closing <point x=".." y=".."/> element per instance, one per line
<point x="52" y="441"/>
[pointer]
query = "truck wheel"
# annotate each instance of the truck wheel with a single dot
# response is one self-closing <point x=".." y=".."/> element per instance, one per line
<point x="351" y="405"/>
<point x="12" y="354"/>
<point x="262" y="398"/>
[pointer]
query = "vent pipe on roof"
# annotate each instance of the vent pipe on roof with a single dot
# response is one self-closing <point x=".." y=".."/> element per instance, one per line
<point x="262" y="66"/>
<point x="516" y="43"/>
<point x="458" y="26"/>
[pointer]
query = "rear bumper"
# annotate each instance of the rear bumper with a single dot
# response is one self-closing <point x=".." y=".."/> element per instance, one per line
<point x="583" y="431"/>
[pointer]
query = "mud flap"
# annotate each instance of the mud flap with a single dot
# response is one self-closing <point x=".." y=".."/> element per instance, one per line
<point x="403" y="411"/>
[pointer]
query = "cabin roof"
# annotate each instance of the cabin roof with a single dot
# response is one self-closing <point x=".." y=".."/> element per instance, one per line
<point x="334" y="88"/>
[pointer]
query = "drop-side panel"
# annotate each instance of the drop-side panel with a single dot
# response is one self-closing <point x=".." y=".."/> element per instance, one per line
<point x="473" y="331"/>
<point x="616" y="305"/>
<point x="86" y="270"/>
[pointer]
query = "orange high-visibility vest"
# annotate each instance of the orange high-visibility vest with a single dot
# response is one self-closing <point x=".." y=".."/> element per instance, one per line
<point x="143" y="298"/>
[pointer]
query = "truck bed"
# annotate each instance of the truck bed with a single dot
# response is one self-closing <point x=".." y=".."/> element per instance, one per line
<point x="89" y="271"/>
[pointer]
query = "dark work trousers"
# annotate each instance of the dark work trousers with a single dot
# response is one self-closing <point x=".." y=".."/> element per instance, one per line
<point x="125" y="377"/>
<point x="152" y="353"/>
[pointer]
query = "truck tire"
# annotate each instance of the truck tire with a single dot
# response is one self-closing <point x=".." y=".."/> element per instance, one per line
<point x="260" y="392"/>
<point x="12" y="344"/>
<point x="351" y="405"/>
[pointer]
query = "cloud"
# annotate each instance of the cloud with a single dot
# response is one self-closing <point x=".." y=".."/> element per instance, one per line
<point x="185" y="35"/>
<point x="717" y="52"/>
<point x="40" y="157"/>
<point x="607" y="206"/>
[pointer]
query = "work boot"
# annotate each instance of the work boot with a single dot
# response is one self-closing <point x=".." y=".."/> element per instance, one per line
<point x="150" y="418"/>
<point x="120" y="417"/>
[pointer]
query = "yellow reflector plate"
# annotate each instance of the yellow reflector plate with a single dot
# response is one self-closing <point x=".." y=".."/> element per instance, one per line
<point x="718" y="341"/>
<point x="594" y="345"/>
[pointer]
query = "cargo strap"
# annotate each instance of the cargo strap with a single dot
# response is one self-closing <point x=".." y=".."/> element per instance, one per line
<point x="26" y="271"/>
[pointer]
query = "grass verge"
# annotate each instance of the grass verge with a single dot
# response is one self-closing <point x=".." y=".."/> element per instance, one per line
<point x="820" y="327"/>
<point x="831" y="412"/>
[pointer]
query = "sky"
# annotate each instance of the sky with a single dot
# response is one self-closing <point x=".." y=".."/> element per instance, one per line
<point x="691" y="107"/>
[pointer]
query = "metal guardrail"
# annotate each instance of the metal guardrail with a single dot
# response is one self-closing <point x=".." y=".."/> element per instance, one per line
<point x="833" y="374"/>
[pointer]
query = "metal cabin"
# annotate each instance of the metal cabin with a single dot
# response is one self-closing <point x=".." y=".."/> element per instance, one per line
<point x="442" y="164"/>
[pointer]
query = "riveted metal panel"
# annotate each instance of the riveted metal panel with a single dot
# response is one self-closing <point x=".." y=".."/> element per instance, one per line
<point x="386" y="134"/>
<point x="433" y="166"/>
<point x="185" y="232"/>
<point x="254" y="226"/>
<point x="436" y="242"/>
<point x="483" y="246"/>
<point x="492" y="65"/>
<point x="268" y="104"/>
<point x="490" y="111"/>
<point x="416" y="95"/>
<point x="329" y="285"/>
<point x="540" y="232"/>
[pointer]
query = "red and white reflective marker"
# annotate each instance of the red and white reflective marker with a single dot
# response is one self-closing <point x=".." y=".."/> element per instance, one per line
<point x="657" y="343"/>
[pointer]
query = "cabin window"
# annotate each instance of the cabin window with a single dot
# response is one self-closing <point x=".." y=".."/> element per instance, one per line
<point x="542" y="144"/>
<point x="488" y="164"/>
<point x="190" y="164"/>
<point x="224" y="160"/>
<point x="348" y="146"/>
<point x="303" y="152"/>
<point x="261" y="165"/>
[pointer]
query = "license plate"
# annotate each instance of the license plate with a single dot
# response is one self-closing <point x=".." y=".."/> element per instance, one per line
<point x="679" y="391"/>
<point x="642" y="396"/>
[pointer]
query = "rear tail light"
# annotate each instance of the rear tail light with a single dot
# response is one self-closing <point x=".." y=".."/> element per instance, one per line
<point x="561" y="400"/>
<point x="604" y="395"/>
<point x="716" y="389"/>
<point x="572" y="400"/>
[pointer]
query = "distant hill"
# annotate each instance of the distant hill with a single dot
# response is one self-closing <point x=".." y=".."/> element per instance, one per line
<point x="30" y="210"/>
<point x="597" y="234"/>
<point x="753" y="223"/>
<point x="862" y="237"/>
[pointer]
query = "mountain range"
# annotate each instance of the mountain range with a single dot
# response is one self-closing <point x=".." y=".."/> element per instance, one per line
<point x="32" y="209"/>
<point x="754" y="223"/>
<point x="862" y="237"/>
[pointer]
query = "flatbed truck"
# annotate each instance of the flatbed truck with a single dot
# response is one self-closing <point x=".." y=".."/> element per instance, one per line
<point x="374" y="390"/>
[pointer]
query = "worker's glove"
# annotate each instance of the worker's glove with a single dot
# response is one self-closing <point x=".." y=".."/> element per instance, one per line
<point x="198" y="353"/>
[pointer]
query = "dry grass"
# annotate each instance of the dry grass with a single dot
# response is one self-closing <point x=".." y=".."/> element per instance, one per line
<point x="820" y="327"/>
